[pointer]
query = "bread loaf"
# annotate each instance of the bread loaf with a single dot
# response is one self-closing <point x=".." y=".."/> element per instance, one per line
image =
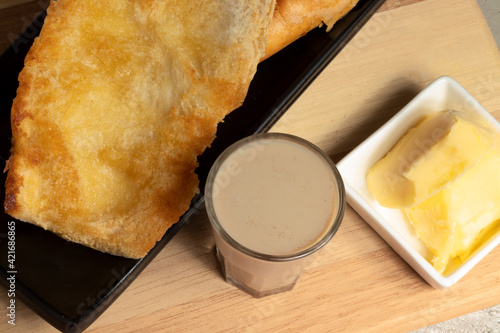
<point x="115" y="102"/>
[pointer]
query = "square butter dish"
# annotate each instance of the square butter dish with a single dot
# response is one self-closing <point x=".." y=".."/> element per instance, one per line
<point x="391" y="224"/>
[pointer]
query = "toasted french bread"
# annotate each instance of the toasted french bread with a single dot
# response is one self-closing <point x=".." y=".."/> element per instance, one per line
<point x="293" y="19"/>
<point x="115" y="102"/>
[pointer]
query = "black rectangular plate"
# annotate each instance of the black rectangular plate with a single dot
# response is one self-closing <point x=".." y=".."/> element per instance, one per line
<point x="70" y="285"/>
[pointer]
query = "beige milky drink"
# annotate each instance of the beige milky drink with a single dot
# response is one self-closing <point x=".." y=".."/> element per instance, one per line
<point x="273" y="200"/>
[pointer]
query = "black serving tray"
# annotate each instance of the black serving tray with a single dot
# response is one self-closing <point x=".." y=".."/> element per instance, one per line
<point x="70" y="285"/>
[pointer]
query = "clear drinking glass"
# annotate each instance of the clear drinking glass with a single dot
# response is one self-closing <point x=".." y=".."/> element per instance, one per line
<point x="254" y="271"/>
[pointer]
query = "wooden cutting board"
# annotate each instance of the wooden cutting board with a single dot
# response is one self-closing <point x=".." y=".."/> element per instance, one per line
<point x="358" y="283"/>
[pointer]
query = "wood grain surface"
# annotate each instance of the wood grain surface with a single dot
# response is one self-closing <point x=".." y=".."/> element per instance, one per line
<point x="358" y="283"/>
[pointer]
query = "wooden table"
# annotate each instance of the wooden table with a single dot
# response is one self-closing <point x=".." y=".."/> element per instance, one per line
<point x="358" y="283"/>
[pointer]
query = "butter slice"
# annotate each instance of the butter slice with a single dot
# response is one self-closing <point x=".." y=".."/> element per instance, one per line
<point x="427" y="159"/>
<point x="452" y="222"/>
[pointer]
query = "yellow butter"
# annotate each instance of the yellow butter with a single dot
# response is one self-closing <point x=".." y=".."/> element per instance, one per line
<point x="427" y="159"/>
<point x="452" y="222"/>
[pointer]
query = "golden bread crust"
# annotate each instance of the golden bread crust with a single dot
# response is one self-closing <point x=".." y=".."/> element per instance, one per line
<point x="292" y="19"/>
<point x="116" y="101"/>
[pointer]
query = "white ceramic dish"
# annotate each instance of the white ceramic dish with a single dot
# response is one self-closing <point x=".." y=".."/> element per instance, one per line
<point x="391" y="224"/>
